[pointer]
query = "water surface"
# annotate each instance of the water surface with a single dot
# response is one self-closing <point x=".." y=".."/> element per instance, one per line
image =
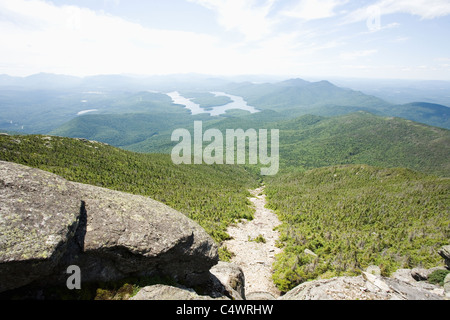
<point x="237" y="103"/>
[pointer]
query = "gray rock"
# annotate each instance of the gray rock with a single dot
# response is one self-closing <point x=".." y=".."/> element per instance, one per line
<point x="39" y="214"/>
<point x="415" y="291"/>
<point x="447" y="287"/>
<point x="231" y="278"/>
<point x="138" y="235"/>
<point x="420" y="274"/>
<point x="364" y="287"/>
<point x="163" y="292"/>
<point x="260" y="296"/>
<point x="403" y="275"/>
<point x="444" y="252"/>
<point x="48" y="223"/>
<point x="339" y="288"/>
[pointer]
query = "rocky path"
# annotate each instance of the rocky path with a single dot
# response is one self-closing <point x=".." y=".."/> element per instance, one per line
<point x="255" y="257"/>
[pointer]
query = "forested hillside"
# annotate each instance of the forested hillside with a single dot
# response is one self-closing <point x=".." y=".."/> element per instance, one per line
<point x="214" y="196"/>
<point x="122" y="130"/>
<point x="355" y="216"/>
<point x="296" y="97"/>
<point x="362" y="138"/>
<point x="309" y="141"/>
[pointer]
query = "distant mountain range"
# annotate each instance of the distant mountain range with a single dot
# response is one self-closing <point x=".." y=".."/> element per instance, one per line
<point x="298" y="97"/>
<point x="49" y="81"/>
<point x="134" y="112"/>
<point x="361" y="137"/>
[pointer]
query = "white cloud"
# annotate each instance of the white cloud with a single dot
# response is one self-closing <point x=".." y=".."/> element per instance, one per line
<point x="357" y="54"/>
<point x="38" y="36"/>
<point x="400" y="40"/>
<point x="249" y="17"/>
<point x="426" y="9"/>
<point x="314" y="9"/>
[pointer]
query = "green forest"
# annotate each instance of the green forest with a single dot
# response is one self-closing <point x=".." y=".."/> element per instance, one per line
<point x="354" y="216"/>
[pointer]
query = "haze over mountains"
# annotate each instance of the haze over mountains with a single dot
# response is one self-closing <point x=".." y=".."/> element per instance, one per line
<point x="321" y="124"/>
<point x="43" y="103"/>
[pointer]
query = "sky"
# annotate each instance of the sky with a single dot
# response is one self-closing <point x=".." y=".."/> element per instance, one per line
<point x="387" y="39"/>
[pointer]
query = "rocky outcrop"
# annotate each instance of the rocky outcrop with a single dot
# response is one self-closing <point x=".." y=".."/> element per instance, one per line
<point x="39" y="214"/>
<point x="226" y="282"/>
<point x="260" y="296"/>
<point x="422" y="274"/>
<point x="134" y="234"/>
<point x="444" y="252"/>
<point x="48" y="223"/>
<point x="163" y="292"/>
<point x="365" y="287"/>
<point x="404" y="284"/>
<point x="228" y="279"/>
<point x="447" y="287"/>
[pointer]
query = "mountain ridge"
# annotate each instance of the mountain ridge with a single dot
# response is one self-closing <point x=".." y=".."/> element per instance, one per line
<point x="364" y="138"/>
<point x="312" y="141"/>
<point x="61" y="98"/>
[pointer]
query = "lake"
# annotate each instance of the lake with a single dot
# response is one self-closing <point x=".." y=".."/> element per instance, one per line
<point x="237" y="103"/>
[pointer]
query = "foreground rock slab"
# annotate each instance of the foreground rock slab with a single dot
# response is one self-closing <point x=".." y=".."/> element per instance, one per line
<point x="364" y="287"/>
<point x="163" y="292"/>
<point x="48" y="223"/>
<point x="39" y="213"/>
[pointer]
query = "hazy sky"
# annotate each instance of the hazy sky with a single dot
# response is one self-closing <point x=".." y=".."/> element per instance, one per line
<point x="369" y="39"/>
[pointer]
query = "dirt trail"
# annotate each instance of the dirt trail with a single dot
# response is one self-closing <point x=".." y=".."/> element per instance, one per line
<point x="256" y="258"/>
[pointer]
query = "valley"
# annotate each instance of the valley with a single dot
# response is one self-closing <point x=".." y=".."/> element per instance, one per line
<point x="362" y="181"/>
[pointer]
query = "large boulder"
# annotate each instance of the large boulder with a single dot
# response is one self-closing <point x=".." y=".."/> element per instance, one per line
<point x="39" y="215"/>
<point x="132" y="234"/>
<point x="444" y="252"/>
<point x="48" y="223"/>
<point x="230" y="280"/>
